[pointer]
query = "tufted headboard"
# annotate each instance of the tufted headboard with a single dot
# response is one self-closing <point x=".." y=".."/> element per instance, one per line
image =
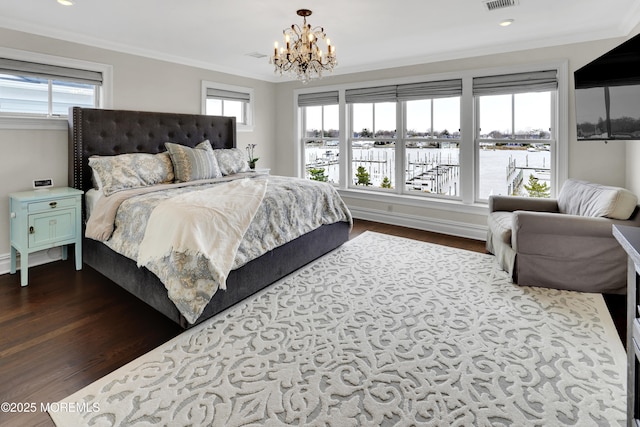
<point x="109" y="132"/>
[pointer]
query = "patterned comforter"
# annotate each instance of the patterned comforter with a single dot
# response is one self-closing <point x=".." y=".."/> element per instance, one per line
<point x="291" y="207"/>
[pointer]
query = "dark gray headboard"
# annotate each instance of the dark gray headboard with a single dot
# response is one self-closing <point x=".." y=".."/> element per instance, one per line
<point x="109" y="132"/>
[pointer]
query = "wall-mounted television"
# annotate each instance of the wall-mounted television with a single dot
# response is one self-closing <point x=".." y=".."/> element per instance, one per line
<point x="607" y="95"/>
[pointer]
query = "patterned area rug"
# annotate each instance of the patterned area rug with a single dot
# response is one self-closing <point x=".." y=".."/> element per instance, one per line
<point x="382" y="331"/>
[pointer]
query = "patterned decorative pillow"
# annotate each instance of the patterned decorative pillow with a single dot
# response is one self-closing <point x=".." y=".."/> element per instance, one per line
<point x="231" y="160"/>
<point x="132" y="170"/>
<point x="191" y="164"/>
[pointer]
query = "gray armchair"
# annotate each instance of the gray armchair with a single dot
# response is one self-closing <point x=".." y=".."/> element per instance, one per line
<point x="563" y="243"/>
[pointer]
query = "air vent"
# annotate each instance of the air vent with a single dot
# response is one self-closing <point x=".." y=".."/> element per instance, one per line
<point x="499" y="4"/>
<point x="257" y="55"/>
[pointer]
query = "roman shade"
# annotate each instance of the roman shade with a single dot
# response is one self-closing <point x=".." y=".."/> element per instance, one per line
<point x="229" y="95"/>
<point x="318" y="98"/>
<point x="49" y="72"/>
<point x="371" y="94"/>
<point x="428" y="90"/>
<point x="536" y="81"/>
<point x="405" y="92"/>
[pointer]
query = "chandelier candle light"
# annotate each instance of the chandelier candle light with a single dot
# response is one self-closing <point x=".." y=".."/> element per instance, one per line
<point x="302" y="58"/>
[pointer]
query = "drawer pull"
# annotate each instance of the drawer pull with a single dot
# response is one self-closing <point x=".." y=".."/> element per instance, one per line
<point x="53" y="204"/>
<point x="31" y="230"/>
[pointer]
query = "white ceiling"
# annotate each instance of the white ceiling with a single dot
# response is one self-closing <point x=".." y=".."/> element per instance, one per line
<point x="368" y="34"/>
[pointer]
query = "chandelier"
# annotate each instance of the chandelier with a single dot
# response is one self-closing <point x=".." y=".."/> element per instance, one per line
<point x="302" y="58"/>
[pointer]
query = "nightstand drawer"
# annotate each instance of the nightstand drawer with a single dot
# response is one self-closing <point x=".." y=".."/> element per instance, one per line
<point x="52" y="228"/>
<point x="69" y="202"/>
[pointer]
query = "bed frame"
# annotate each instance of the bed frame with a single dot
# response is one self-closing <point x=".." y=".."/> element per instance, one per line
<point x="111" y="132"/>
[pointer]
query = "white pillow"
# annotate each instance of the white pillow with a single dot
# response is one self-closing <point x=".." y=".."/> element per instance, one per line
<point x="588" y="199"/>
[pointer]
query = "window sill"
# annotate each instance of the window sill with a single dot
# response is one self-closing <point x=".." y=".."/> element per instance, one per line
<point x="417" y="201"/>
<point x="244" y="128"/>
<point x="33" y="123"/>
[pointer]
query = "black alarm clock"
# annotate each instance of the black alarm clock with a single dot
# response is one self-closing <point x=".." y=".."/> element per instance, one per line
<point x="42" y="184"/>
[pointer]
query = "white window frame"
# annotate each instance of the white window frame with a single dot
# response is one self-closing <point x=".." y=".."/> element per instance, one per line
<point x="404" y="139"/>
<point x="400" y="140"/>
<point x="350" y="140"/>
<point x="41" y="122"/>
<point x="552" y="141"/>
<point x="248" y="126"/>
<point x="559" y="124"/>
<point x="467" y="203"/>
<point x="304" y="139"/>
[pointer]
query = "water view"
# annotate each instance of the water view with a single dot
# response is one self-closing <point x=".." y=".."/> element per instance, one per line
<point x="504" y="170"/>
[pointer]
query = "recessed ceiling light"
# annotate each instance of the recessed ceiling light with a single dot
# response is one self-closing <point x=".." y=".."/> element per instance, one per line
<point x="504" y="23"/>
<point x="66" y="2"/>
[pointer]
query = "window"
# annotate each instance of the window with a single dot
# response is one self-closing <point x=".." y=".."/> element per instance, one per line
<point x="427" y="143"/>
<point x="37" y="89"/>
<point x="515" y="137"/>
<point x="321" y="136"/>
<point x="373" y="144"/>
<point x="230" y="101"/>
<point x="432" y="146"/>
<point x="459" y="139"/>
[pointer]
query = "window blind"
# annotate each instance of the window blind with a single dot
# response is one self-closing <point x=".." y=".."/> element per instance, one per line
<point x="319" y="98"/>
<point x="536" y="81"/>
<point x="427" y="90"/>
<point x="371" y="94"/>
<point x="405" y="92"/>
<point x="228" y="95"/>
<point x="52" y="72"/>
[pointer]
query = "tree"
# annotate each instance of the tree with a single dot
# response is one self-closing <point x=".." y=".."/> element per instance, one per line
<point x="537" y="189"/>
<point x="317" y="174"/>
<point x="363" y="176"/>
<point x="366" y="133"/>
<point x="386" y="182"/>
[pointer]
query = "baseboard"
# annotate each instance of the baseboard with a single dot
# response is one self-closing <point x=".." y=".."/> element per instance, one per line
<point x="36" y="258"/>
<point x="453" y="228"/>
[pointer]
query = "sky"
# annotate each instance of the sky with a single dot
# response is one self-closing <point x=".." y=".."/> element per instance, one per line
<point x="532" y="111"/>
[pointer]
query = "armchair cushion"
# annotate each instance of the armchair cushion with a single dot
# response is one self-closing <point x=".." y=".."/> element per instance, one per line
<point x="517" y="203"/>
<point x="594" y="200"/>
<point x="500" y="222"/>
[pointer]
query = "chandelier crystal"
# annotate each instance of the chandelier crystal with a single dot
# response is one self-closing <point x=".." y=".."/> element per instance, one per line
<point x="301" y="57"/>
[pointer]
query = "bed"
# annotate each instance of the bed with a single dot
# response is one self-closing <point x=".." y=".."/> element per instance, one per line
<point x="98" y="132"/>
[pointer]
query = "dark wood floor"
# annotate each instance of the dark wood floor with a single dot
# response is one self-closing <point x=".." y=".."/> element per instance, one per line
<point x="68" y="328"/>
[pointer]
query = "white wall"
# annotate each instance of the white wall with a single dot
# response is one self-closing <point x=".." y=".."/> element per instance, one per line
<point x="632" y="157"/>
<point x="632" y="165"/>
<point x="138" y="84"/>
<point x="594" y="161"/>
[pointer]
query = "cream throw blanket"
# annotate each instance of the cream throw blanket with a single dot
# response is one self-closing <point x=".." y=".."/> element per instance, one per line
<point x="101" y="223"/>
<point x="209" y="222"/>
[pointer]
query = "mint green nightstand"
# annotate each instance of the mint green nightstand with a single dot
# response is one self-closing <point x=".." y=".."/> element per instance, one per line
<point x="43" y="219"/>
